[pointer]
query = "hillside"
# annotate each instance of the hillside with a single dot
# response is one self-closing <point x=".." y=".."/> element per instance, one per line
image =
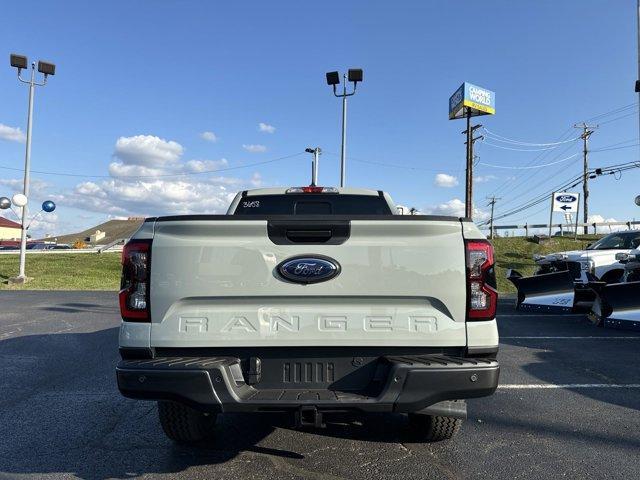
<point x="114" y="230"/>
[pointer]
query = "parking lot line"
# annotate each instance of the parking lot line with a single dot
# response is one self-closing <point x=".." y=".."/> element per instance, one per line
<point x="592" y="337"/>
<point x="532" y="386"/>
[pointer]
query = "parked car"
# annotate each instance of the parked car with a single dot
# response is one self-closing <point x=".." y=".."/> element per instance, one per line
<point x="598" y="259"/>
<point x="308" y="300"/>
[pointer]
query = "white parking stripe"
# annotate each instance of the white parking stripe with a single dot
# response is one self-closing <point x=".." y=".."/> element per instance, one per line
<point x="592" y="337"/>
<point x="532" y="386"/>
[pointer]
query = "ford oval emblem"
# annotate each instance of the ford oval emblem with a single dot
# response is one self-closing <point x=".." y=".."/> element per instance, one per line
<point x="309" y="269"/>
<point x="566" y="198"/>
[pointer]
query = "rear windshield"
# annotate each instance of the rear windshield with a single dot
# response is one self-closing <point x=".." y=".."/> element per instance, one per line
<point x="313" y="204"/>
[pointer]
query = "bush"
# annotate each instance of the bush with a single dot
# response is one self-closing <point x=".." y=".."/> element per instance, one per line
<point x="79" y="244"/>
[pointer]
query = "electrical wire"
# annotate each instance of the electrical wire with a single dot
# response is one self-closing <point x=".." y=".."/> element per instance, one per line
<point x="615" y="170"/>
<point x="519" y="149"/>
<point x="500" y="138"/>
<point x="529" y="167"/>
<point x="163" y="175"/>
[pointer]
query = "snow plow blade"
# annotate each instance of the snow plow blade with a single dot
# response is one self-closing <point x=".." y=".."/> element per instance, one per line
<point x="548" y="292"/>
<point x="618" y="305"/>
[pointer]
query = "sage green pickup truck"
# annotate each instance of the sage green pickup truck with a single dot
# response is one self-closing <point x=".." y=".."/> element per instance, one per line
<point x="308" y="300"/>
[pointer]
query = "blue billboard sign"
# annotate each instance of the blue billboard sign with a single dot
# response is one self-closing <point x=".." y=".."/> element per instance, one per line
<point x="473" y="99"/>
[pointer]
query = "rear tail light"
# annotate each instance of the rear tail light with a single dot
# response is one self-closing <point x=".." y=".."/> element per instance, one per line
<point x="134" y="285"/>
<point x="481" y="281"/>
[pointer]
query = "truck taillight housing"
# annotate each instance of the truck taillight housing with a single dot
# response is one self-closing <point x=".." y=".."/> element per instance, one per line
<point x="134" y="285"/>
<point x="482" y="296"/>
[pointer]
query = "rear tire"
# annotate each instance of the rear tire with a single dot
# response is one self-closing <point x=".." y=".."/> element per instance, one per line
<point x="433" y="428"/>
<point x="185" y="425"/>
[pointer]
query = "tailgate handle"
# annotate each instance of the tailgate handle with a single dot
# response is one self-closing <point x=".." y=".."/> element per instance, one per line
<point x="302" y="236"/>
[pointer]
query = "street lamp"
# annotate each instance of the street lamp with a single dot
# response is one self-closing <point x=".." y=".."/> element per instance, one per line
<point x="333" y="79"/>
<point x="314" y="164"/>
<point x="20" y="62"/>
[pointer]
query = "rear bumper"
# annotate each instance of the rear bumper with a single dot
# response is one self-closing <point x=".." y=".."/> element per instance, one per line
<point x="408" y="384"/>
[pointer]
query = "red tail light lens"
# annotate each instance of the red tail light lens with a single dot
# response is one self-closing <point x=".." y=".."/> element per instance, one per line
<point x="134" y="285"/>
<point x="481" y="281"/>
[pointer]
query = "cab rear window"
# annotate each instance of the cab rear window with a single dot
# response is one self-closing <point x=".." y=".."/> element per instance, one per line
<point x="313" y="204"/>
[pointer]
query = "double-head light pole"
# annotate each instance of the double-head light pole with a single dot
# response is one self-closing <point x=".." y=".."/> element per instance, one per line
<point x="20" y="62"/>
<point x="333" y="79"/>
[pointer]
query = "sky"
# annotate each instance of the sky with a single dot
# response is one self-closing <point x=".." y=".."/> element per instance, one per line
<point x="171" y="107"/>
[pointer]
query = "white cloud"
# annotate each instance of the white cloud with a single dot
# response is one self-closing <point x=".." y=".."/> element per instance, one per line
<point x="265" y="127"/>
<point x="444" y="180"/>
<point x="454" y="208"/>
<point x="147" y="150"/>
<point x="484" y="178"/>
<point x="205" y="165"/>
<point x="209" y="137"/>
<point x="12" y="134"/>
<point x="255" y="148"/>
<point x="153" y="157"/>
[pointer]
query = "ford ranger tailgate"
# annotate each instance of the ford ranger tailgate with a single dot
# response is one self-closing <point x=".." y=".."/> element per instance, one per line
<point x="215" y="282"/>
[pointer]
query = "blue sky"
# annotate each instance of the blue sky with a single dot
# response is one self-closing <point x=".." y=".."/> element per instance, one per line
<point x="139" y="82"/>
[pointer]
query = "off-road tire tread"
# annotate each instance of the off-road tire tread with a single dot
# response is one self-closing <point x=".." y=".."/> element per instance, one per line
<point x="183" y="424"/>
<point x="434" y="428"/>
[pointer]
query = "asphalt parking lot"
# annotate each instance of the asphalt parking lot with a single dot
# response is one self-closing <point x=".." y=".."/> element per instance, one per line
<point x="568" y="406"/>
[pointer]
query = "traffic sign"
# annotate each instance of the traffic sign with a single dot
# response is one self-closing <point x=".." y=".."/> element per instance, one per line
<point x="565" y="202"/>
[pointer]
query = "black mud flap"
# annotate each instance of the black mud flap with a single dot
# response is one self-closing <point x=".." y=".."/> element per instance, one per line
<point x="618" y="305"/>
<point x="547" y="292"/>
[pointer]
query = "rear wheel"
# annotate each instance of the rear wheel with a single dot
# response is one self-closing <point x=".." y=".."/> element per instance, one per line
<point x="433" y="428"/>
<point x="185" y="425"/>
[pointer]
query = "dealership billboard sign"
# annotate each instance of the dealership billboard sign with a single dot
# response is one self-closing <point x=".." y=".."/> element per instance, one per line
<point x="473" y="99"/>
<point x="565" y="202"/>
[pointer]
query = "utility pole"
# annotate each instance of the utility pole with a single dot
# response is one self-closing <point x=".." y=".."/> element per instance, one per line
<point x="587" y="130"/>
<point x="492" y="202"/>
<point x="468" y="205"/>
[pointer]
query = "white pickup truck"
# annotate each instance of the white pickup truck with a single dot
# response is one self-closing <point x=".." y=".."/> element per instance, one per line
<point x="599" y="258"/>
<point x="308" y="300"/>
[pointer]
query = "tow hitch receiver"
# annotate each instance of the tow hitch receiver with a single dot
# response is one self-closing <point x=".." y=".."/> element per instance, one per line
<point x="308" y="416"/>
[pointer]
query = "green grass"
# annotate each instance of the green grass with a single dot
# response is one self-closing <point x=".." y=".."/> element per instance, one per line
<point x="517" y="253"/>
<point x="64" y="271"/>
<point x="88" y="271"/>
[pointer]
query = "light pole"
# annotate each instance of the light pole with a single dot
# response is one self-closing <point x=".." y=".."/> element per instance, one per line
<point x="20" y="62"/>
<point x="314" y="164"/>
<point x="333" y="79"/>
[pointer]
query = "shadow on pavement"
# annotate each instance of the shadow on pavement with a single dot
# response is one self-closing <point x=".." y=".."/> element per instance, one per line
<point x="575" y="361"/>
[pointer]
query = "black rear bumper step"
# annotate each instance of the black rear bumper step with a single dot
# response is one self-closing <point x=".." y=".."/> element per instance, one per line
<point x="408" y="383"/>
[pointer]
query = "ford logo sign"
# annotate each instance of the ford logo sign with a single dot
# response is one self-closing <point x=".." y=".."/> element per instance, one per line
<point x="309" y="269"/>
<point x="566" y="198"/>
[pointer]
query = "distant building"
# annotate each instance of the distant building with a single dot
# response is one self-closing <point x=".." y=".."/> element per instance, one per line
<point x="9" y="230"/>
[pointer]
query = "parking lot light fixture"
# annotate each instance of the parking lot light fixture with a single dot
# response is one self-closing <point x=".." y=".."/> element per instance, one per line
<point x="20" y="63"/>
<point x="355" y="75"/>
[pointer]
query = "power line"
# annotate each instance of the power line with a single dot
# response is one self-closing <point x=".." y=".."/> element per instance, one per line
<point x="529" y="167"/>
<point x="519" y="149"/>
<point x="177" y="174"/>
<point x="607" y="170"/>
<point x="500" y="138"/>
